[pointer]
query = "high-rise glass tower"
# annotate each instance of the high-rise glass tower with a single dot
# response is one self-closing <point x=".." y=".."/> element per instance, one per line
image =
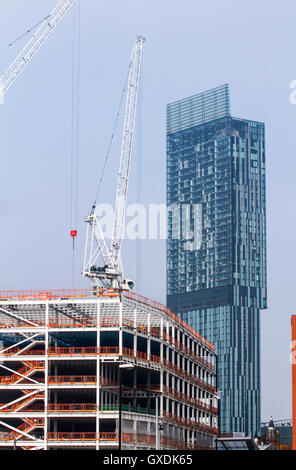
<point x="216" y="249"/>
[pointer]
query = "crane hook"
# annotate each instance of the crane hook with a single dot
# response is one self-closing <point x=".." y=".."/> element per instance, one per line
<point x="73" y="234"/>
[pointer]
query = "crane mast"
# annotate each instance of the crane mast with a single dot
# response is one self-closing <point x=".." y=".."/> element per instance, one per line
<point x="40" y="36"/>
<point x="111" y="273"/>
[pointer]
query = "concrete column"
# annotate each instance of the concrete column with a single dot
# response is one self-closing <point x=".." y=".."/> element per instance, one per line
<point x="120" y="328"/>
<point x="134" y="387"/>
<point x="98" y="374"/>
<point x="148" y="348"/>
<point x="148" y="389"/>
<point x="46" y="368"/>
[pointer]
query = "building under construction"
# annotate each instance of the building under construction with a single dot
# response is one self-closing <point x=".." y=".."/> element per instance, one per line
<point x="88" y="371"/>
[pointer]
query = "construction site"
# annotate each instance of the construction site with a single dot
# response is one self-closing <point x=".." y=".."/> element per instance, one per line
<point x="76" y="368"/>
<point x="102" y="368"/>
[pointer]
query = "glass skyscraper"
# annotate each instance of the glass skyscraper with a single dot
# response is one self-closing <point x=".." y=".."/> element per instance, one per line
<point x="216" y="249"/>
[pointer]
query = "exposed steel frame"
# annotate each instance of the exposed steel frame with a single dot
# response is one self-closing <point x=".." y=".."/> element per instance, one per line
<point x="33" y="316"/>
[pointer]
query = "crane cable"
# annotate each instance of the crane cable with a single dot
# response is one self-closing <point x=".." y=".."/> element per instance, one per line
<point x="111" y="139"/>
<point x="32" y="28"/>
<point x="74" y="152"/>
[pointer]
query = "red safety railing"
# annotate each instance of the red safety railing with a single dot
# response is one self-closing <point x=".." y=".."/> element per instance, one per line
<point x="83" y="293"/>
<point x="7" y="407"/>
<point x="71" y="407"/>
<point x="72" y="324"/>
<point x="144" y="440"/>
<point x="10" y="323"/>
<point x="71" y="436"/>
<point x="108" y="436"/>
<point x="31" y="423"/>
<point x="82" y="436"/>
<point x="80" y="379"/>
<point x="181" y="421"/>
<point x="25" y="370"/>
<point x="187" y="399"/>
<point x="56" y="294"/>
<point x="20" y="353"/>
<point x="72" y="351"/>
<point x="168" y="313"/>
<point x="183" y="373"/>
<point x="24" y="427"/>
<point x="72" y="379"/>
<point x="109" y="322"/>
<point x="155" y="331"/>
<point x="108" y="350"/>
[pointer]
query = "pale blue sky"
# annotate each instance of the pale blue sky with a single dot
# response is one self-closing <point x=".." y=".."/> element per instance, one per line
<point x="191" y="46"/>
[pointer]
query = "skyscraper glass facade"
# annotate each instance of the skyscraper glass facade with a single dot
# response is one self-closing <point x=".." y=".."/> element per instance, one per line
<point x="216" y="249"/>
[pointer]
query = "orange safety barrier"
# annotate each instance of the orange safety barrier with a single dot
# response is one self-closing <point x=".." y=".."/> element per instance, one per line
<point x="167" y="312"/>
<point x="109" y="322"/>
<point x="127" y="438"/>
<point x="33" y="422"/>
<point x="138" y="438"/>
<point x="72" y="379"/>
<point x="10" y="323"/>
<point x="128" y="352"/>
<point x="190" y="353"/>
<point x="82" y="436"/>
<point x="142" y="355"/>
<point x="27" y="352"/>
<point x="106" y="350"/>
<point x="6" y="407"/>
<point x="72" y="407"/>
<point x="187" y="399"/>
<point x="108" y="436"/>
<point x="83" y="379"/>
<point x="150" y="440"/>
<point x="25" y="427"/>
<point x="80" y="324"/>
<point x="25" y="370"/>
<point x="155" y="331"/>
<point x="55" y="351"/>
<point x="56" y="294"/>
<point x="91" y="323"/>
<point x="183" y="373"/>
<point x="83" y="293"/>
<point x="189" y="423"/>
<point x="127" y="323"/>
<point x="71" y="436"/>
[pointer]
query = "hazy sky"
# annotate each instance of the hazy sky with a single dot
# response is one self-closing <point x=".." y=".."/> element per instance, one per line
<point x="191" y="46"/>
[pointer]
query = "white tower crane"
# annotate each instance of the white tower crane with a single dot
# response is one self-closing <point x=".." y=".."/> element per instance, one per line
<point x="40" y="36"/>
<point x="110" y="273"/>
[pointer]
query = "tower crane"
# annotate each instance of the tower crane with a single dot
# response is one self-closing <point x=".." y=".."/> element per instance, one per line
<point x="110" y="273"/>
<point x="40" y="36"/>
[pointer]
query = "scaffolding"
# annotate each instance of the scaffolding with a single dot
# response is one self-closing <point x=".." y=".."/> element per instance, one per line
<point x="88" y="368"/>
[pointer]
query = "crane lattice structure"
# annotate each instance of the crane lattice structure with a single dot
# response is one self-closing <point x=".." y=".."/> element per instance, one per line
<point x="34" y="44"/>
<point x="96" y="249"/>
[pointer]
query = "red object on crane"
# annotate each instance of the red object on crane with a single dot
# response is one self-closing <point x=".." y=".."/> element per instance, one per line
<point x="73" y="234"/>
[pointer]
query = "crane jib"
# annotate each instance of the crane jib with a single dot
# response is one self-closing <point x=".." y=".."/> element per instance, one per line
<point x="96" y="248"/>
